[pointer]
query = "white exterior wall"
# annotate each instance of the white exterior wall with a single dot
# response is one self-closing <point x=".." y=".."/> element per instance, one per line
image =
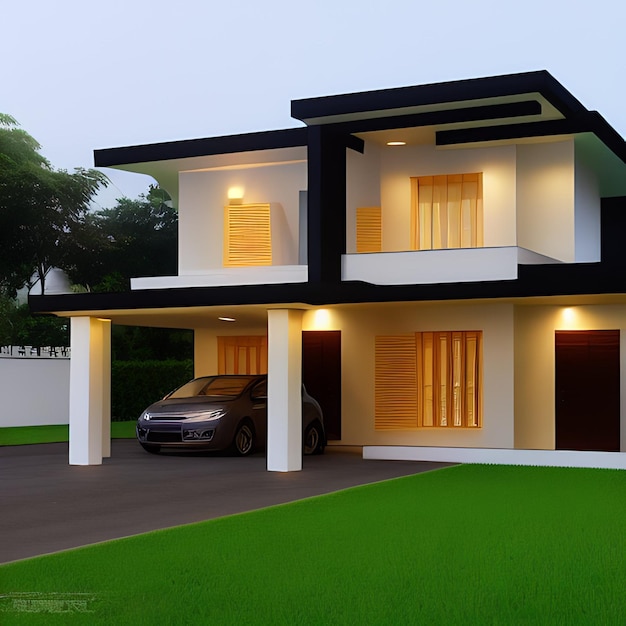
<point x="535" y="362"/>
<point x="204" y="194"/>
<point x="362" y="187"/>
<point x="545" y="199"/>
<point x="587" y="213"/>
<point x="400" y="163"/>
<point x="360" y="325"/>
<point x="35" y="392"/>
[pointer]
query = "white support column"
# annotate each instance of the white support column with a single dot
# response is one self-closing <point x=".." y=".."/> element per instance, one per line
<point x="284" y="390"/>
<point x="90" y="391"/>
<point x="106" y="387"/>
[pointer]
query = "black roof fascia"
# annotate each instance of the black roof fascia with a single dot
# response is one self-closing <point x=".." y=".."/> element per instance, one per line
<point x="228" y="144"/>
<point x="438" y="93"/>
<point x="591" y="121"/>
<point x="448" y="116"/>
<point x="533" y="280"/>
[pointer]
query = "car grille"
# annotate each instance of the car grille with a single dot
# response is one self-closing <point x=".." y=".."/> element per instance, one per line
<point x="166" y="417"/>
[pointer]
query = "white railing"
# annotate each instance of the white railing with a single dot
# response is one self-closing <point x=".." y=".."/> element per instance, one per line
<point x="35" y="352"/>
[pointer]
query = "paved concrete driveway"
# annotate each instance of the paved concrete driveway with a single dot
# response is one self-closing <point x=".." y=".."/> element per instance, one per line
<point x="47" y="506"/>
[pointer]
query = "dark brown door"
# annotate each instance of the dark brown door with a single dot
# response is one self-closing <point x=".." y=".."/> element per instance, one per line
<point x="587" y="390"/>
<point x="321" y="375"/>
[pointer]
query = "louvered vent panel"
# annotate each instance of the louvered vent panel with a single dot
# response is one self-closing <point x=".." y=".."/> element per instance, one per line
<point x="369" y="230"/>
<point x="395" y="383"/>
<point x="247" y="235"/>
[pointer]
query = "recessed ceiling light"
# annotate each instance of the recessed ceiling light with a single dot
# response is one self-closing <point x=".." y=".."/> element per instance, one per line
<point x="396" y="143"/>
<point x="227" y="319"/>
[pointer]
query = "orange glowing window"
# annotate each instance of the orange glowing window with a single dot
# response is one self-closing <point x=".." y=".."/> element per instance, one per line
<point x="447" y="211"/>
<point x="428" y="380"/>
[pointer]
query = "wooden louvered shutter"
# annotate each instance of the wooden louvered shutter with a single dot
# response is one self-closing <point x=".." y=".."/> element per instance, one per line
<point x="369" y="229"/>
<point x="395" y="382"/>
<point x="247" y="235"/>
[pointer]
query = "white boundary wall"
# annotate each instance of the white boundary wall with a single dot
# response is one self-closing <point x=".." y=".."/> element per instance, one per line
<point x="34" y="391"/>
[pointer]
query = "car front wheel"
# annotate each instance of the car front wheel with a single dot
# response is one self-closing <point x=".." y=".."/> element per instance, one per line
<point x="313" y="439"/>
<point x="243" y="444"/>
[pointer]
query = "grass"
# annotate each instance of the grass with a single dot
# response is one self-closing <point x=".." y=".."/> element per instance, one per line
<point x="22" y="435"/>
<point x="463" y="545"/>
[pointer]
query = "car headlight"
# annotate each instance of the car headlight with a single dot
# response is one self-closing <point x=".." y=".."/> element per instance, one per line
<point x="204" y="416"/>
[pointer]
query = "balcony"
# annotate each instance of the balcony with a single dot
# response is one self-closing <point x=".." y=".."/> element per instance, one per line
<point x="424" y="267"/>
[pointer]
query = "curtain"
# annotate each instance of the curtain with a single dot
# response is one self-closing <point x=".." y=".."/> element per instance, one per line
<point x="446" y="212"/>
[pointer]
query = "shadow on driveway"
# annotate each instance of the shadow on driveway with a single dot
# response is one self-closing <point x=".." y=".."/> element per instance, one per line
<point x="48" y="505"/>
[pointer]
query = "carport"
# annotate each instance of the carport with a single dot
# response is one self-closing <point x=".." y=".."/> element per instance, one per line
<point x="90" y="372"/>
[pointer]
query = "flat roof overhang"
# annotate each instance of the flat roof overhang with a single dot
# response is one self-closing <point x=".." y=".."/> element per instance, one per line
<point x="436" y="96"/>
<point x="165" y="161"/>
<point x="511" y="108"/>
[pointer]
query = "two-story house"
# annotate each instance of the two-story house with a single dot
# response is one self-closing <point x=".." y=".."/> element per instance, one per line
<point x="442" y="264"/>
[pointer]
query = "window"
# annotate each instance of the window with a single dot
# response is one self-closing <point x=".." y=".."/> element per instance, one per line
<point x="447" y="211"/>
<point x="247" y="235"/>
<point x="242" y="355"/>
<point x="368" y="229"/>
<point x="260" y="391"/>
<point x="428" y="380"/>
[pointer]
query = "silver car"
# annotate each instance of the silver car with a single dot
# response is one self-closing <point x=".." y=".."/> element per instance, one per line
<point x="220" y="413"/>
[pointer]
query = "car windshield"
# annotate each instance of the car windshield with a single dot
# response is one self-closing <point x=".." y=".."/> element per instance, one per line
<point x="213" y="386"/>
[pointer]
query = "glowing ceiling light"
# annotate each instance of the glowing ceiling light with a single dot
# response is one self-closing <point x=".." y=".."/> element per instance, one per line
<point x="226" y="319"/>
<point x="396" y="143"/>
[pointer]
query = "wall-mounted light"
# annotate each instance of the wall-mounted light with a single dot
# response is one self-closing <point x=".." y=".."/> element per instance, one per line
<point x="569" y="314"/>
<point x="396" y="143"/>
<point x="235" y="195"/>
<point x="227" y="319"/>
<point x="321" y="319"/>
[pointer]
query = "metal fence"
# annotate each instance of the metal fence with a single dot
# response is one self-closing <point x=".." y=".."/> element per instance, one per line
<point x="35" y="352"/>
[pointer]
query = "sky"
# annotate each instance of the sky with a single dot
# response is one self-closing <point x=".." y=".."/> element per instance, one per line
<point x="80" y="76"/>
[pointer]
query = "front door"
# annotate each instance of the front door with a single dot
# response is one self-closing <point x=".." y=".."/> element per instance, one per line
<point x="321" y="375"/>
<point x="587" y="390"/>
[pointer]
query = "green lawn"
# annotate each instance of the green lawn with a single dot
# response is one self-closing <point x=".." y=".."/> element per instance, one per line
<point x="464" y="545"/>
<point x="21" y="435"/>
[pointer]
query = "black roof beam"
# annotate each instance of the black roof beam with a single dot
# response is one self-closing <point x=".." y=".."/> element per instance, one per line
<point x="436" y="118"/>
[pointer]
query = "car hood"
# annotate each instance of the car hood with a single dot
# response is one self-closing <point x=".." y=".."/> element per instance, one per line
<point x="178" y="407"/>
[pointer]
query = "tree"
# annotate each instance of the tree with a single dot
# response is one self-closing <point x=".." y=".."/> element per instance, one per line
<point x="39" y="207"/>
<point x="19" y="328"/>
<point x="134" y="238"/>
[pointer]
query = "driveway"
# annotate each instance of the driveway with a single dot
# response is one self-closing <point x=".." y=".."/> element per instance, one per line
<point x="49" y="506"/>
